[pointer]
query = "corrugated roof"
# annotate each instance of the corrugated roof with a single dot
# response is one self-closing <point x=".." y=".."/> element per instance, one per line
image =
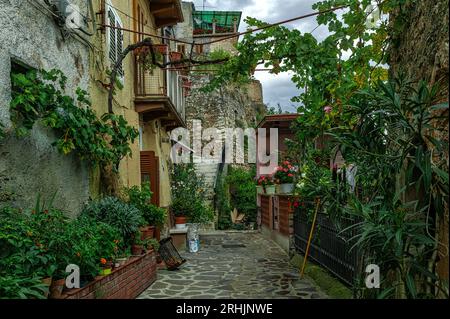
<point x="203" y="20"/>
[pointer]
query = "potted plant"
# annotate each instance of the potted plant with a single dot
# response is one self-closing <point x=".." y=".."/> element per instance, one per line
<point x="106" y="267"/>
<point x="180" y="220"/>
<point x="152" y="216"/>
<point x="262" y="183"/>
<point x="161" y="48"/>
<point x="284" y="177"/>
<point x="151" y="244"/>
<point x="267" y="184"/>
<point x="138" y="248"/>
<point x="57" y="288"/>
<point x="176" y="56"/>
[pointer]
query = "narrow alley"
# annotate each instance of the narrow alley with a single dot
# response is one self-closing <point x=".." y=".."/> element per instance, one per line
<point x="237" y="265"/>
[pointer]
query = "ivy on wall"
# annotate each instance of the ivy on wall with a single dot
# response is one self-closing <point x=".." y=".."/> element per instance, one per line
<point x="38" y="96"/>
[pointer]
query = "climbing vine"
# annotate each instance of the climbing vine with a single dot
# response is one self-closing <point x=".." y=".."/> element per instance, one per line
<point x="383" y="128"/>
<point x="38" y="96"/>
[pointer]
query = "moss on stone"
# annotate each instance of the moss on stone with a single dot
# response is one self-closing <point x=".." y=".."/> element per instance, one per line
<point x="330" y="285"/>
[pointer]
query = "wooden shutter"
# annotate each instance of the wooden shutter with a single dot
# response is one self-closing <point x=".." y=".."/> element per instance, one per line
<point x="150" y="173"/>
<point x="112" y="36"/>
<point x="115" y="39"/>
<point x="119" y="46"/>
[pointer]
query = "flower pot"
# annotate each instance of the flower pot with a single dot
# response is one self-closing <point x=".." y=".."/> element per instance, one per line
<point x="147" y="232"/>
<point x="180" y="222"/>
<point x="137" y="250"/>
<point x="120" y="262"/>
<point x="160" y="48"/>
<point x="286" y="188"/>
<point x="47" y="282"/>
<point x="176" y="56"/>
<point x="259" y="190"/>
<point x="57" y="288"/>
<point x="270" y="189"/>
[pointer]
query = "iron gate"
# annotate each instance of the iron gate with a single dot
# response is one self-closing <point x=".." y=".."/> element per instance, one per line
<point x="330" y="247"/>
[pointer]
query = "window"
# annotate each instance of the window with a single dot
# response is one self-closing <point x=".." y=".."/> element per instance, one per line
<point x="199" y="48"/>
<point x="182" y="49"/>
<point x="114" y="37"/>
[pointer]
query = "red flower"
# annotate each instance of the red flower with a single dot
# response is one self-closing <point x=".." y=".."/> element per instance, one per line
<point x="103" y="261"/>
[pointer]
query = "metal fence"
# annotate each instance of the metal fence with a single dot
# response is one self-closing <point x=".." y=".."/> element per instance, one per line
<point x="330" y="247"/>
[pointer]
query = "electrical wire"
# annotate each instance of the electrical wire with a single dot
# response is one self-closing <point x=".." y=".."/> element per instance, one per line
<point x="231" y="36"/>
<point x="146" y="34"/>
<point x="275" y="24"/>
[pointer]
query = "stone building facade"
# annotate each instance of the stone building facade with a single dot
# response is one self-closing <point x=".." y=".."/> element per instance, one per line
<point x="36" y="35"/>
<point x="229" y="106"/>
<point x="30" y="38"/>
<point x="421" y="50"/>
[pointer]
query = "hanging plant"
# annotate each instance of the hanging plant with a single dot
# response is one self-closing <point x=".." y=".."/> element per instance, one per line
<point x="38" y="96"/>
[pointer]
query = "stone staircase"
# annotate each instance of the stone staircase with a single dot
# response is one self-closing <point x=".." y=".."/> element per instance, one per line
<point x="209" y="173"/>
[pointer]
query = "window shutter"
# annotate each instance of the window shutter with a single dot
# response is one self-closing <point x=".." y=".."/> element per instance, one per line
<point x="112" y="37"/>
<point x="119" y="46"/>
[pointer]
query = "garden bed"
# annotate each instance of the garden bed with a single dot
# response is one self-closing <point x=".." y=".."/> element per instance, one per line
<point x="125" y="282"/>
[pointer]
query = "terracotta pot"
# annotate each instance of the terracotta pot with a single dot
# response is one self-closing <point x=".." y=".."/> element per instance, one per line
<point x="180" y="220"/>
<point x="147" y="232"/>
<point x="176" y="56"/>
<point x="160" y="48"/>
<point x="137" y="250"/>
<point x="48" y="283"/>
<point x="57" y="288"/>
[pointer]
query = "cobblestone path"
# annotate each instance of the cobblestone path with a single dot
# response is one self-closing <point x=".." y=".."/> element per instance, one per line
<point x="234" y="266"/>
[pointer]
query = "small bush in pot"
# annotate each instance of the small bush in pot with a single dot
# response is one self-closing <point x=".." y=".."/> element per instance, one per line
<point x="124" y="217"/>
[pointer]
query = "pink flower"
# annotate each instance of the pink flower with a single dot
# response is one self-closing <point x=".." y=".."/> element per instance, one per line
<point x="328" y="109"/>
<point x="291" y="175"/>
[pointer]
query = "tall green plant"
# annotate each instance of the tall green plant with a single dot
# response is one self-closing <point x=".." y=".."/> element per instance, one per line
<point x="39" y="96"/>
<point x="403" y="174"/>
<point x="124" y="217"/>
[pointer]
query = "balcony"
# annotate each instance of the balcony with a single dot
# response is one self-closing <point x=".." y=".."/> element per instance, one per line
<point x="159" y="94"/>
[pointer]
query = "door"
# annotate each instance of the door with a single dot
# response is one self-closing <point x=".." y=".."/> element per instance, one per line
<point x="150" y="173"/>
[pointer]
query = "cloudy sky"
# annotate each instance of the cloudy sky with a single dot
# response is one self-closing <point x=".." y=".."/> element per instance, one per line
<point x="277" y="88"/>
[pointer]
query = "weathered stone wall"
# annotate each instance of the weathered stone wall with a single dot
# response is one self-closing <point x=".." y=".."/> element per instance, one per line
<point x="421" y="49"/>
<point x="31" y="166"/>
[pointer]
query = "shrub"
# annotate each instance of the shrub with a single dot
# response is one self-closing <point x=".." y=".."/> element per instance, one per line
<point x="140" y="197"/>
<point x="188" y="192"/>
<point x="124" y="217"/>
<point x="90" y="240"/>
<point x="223" y="205"/>
<point x="13" y="287"/>
<point x="243" y="191"/>
<point x="23" y="252"/>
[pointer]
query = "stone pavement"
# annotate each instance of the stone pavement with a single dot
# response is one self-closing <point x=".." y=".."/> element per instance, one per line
<point x="234" y="266"/>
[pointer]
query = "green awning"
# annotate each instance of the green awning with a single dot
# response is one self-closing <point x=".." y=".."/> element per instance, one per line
<point x="203" y="21"/>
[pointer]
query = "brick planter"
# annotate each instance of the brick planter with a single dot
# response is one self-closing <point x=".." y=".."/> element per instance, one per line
<point x="126" y="282"/>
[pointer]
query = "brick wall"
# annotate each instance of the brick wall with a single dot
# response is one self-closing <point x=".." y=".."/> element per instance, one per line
<point x="126" y="282"/>
<point x="285" y="215"/>
<point x="266" y="210"/>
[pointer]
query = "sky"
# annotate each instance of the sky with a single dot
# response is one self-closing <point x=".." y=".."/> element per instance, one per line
<point x="278" y="89"/>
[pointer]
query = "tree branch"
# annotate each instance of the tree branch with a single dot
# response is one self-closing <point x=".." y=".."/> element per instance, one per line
<point x="147" y="42"/>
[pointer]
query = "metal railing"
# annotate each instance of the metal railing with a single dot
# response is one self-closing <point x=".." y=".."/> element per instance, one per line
<point x="160" y="83"/>
<point x="330" y="247"/>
